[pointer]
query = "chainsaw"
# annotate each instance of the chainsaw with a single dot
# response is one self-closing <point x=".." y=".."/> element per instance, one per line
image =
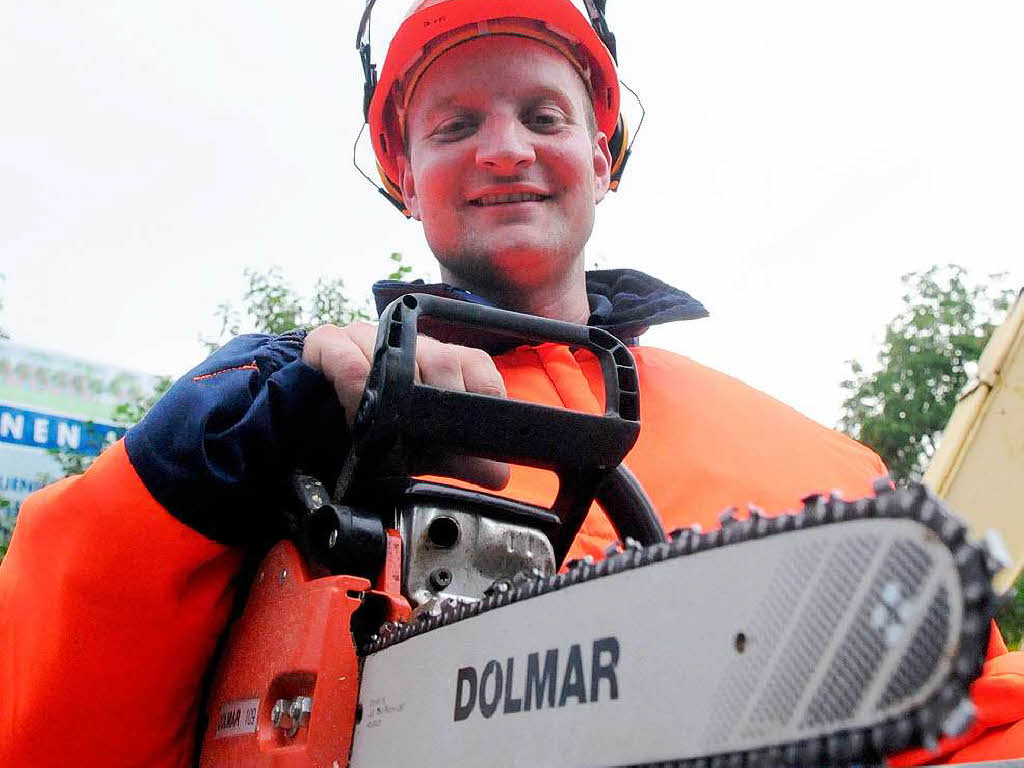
<point x="411" y="622"/>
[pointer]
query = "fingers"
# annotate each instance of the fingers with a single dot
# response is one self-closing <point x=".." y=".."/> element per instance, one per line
<point x="440" y="365"/>
<point x="344" y="356"/>
<point x="462" y="369"/>
<point x="479" y="373"/>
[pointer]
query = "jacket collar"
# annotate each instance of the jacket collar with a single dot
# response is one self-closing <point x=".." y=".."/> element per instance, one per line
<point x="624" y="302"/>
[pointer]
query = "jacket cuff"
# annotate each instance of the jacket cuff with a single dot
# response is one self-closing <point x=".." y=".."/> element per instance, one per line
<point x="218" y="449"/>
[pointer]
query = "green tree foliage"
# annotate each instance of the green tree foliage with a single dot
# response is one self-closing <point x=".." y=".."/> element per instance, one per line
<point x="126" y="413"/>
<point x="900" y="408"/>
<point x="1011" y="616"/>
<point x="930" y="350"/>
<point x="132" y="411"/>
<point x="271" y="305"/>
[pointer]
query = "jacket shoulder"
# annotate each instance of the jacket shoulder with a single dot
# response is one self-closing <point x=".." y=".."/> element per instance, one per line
<point x="709" y="441"/>
<point x="668" y="374"/>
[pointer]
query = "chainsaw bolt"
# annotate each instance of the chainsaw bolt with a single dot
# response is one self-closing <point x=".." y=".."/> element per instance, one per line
<point x="332" y="538"/>
<point x="291" y="714"/>
<point x="300" y="710"/>
<point x="441" y="578"/>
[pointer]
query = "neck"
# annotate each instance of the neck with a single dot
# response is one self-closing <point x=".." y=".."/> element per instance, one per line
<point x="564" y="298"/>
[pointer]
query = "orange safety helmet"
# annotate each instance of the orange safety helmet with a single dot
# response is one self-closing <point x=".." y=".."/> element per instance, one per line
<point x="434" y="26"/>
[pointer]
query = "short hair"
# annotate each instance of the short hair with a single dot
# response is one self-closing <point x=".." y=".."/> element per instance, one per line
<point x="591" y="118"/>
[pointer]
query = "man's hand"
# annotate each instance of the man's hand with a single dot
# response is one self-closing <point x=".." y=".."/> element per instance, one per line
<point x="344" y="355"/>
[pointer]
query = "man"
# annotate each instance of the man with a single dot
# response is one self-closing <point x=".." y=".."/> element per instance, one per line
<point x="494" y="132"/>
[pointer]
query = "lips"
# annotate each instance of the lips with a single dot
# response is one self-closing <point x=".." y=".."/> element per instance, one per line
<point x="506" y="198"/>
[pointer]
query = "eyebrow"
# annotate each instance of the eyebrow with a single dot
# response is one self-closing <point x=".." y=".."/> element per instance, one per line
<point x="540" y="93"/>
<point x="446" y="103"/>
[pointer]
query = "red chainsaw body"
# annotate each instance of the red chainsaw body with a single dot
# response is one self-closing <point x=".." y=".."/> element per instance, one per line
<point x="295" y="638"/>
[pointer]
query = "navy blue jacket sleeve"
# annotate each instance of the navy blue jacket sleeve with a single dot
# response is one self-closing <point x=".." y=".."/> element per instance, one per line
<point x="219" y="448"/>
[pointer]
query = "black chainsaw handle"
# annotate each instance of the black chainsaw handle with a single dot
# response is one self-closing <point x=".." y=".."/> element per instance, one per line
<point x="398" y="417"/>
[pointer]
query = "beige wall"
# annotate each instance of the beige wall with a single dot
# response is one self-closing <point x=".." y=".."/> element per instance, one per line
<point x="979" y="466"/>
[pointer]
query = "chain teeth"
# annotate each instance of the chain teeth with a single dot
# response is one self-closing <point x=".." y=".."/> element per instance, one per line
<point x="948" y="711"/>
<point x="997" y="555"/>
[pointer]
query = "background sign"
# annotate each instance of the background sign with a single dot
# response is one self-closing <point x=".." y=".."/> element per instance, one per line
<point x="52" y="402"/>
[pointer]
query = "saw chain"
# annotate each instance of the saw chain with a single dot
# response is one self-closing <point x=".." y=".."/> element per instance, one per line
<point x="947" y="710"/>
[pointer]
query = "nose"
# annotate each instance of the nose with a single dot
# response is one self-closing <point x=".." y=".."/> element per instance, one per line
<point x="505" y="146"/>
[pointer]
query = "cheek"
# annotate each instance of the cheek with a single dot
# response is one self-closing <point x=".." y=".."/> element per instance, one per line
<point x="573" y="169"/>
<point x="437" y="191"/>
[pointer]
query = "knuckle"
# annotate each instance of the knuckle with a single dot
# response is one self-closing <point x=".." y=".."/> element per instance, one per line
<point x="315" y="342"/>
<point x="441" y="359"/>
<point x="319" y="334"/>
<point x="336" y="355"/>
<point x="477" y="357"/>
<point x="485" y="376"/>
<point x="347" y="364"/>
<point x="360" y="329"/>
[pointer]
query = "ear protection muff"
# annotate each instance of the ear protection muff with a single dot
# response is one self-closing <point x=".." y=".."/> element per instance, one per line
<point x="618" y="146"/>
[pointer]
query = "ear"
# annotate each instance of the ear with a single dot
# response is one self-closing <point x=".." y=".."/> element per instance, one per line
<point x="602" y="167"/>
<point x="407" y="184"/>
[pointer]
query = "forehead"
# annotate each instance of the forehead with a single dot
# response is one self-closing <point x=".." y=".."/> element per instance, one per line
<point x="498" y="66"/>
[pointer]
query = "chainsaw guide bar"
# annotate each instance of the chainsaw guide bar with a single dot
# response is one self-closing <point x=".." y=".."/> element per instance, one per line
<point x="853" y="636"/>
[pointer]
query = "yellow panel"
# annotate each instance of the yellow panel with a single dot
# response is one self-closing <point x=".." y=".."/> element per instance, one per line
<point x="979" y="467"/>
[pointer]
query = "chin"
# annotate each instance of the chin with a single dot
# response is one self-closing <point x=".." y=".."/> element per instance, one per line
<point x="515" y="269"/>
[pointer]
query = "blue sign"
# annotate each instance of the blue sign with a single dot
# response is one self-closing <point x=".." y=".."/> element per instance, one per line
<point x="34" y="429"/>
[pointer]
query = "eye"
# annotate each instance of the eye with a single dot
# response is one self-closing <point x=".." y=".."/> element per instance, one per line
<point x="545" y="118"/>
<point x="455" y="127"/>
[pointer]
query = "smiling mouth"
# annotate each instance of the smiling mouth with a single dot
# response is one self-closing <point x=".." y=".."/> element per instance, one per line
<point x="517" y="197"/>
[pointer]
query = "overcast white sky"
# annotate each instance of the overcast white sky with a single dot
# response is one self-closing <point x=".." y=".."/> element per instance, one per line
<point x="797" y="157"/>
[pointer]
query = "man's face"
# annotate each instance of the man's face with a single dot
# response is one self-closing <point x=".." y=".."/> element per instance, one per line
<point x="501" y="166"/>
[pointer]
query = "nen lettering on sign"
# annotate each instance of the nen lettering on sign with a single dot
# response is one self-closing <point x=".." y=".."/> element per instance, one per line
<point x="31" y="428"/>
<point x="543" y="679"/>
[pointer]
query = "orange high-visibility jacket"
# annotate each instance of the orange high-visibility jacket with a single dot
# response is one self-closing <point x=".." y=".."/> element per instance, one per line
<point x="119" y="582"/>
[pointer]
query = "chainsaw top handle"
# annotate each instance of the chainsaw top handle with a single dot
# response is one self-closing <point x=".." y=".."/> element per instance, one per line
<point x="399" y="418"/>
